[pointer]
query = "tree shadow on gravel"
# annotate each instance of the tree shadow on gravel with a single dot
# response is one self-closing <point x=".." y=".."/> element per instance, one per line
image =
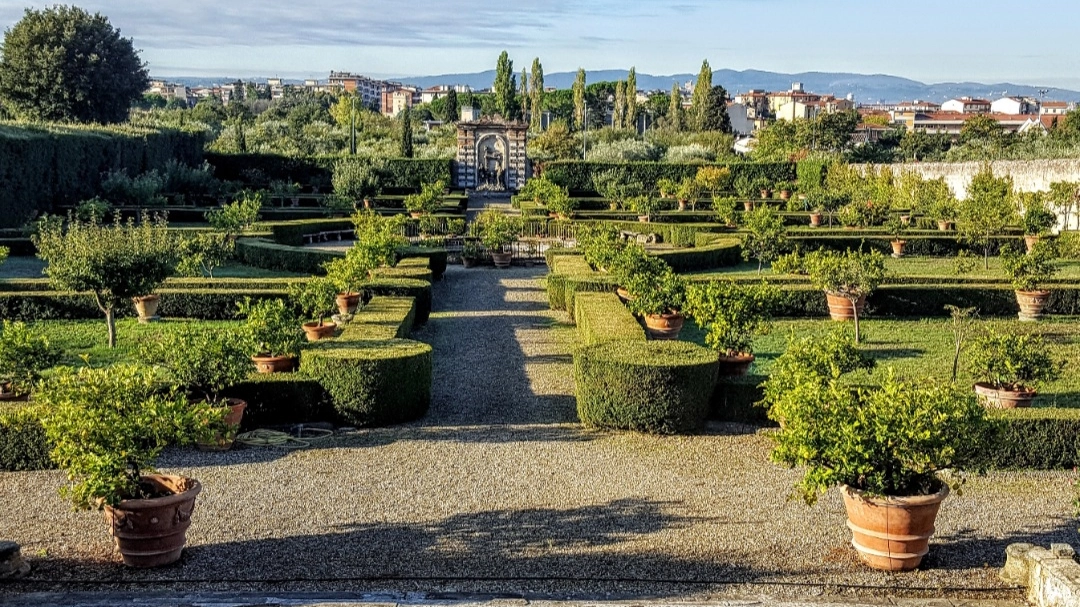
<point x="579" y="547"/>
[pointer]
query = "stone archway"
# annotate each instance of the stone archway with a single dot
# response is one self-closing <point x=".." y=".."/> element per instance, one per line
<point x="491" y="155"/>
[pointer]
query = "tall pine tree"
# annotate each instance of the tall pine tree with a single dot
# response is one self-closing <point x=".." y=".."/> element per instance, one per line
<point x="699" y="102"/>
<point x="536" y="94"/>
<point x="406" y="134"/>
<point x="618" y="115"/>
<point x="505" y="88"/>
<point x="453" y="112"/>
<point x="631" y="99"/>
<point x="675" y="111"/>
<point x="579" y="99"/>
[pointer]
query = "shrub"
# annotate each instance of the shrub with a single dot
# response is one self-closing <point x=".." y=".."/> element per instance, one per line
<point x="687" y="154"/>
<point x="497" y="229"/>
<point x="315" y="297"/>
<point x="203" y="252"/>
<point x="93" y="210"/>
<point x="577" y="175"/>
<point x="654" y="293"/>
<point x="1037" y="218"/>
<point x="271" y="327"/>
<point x="820" y="359"/>
<point x="203" y="361"/>
<point x="428" y="201"/>
<point x="765" y="235"/>
<point x="181" y="178"/>
<point x="645" y="206"/>
<point x="23" y="356"/>
<point x="1028" y="271"/>
<point x="23" y="444"/>
<point x="1009" y="361"/>
<point x="659" y="387"/>
<point x="238" y="216"/>
<point x="143" y="190"/>
<point x="601" y="243"/>
<point x="731" y="314"/>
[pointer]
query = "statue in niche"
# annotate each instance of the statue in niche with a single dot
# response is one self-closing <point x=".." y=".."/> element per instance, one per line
<point x="491" y="172"/>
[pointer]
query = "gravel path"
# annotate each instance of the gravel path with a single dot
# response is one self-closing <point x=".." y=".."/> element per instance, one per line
<point x="498" y="490"/>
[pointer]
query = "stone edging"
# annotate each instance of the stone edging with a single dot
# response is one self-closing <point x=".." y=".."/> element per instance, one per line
<point x="1052" y="576"/>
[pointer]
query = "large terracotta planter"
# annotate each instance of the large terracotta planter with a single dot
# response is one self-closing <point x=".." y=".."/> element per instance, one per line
<point x="1003" y="399"/>
<point x="898" y="248"/>
<point x="1030" y="240"/>
<point x="643" y="218"/>
<point x="624" y="295"/>
<point x="892" y="533"/>
<point x="314" y="331"/>
<point x="232" y="419"/>
<point x="147" y="306"/>
<point x="785" y="194"/>
<point x="840" y="307"/>
<point x="682" y="205"/>
<point x="664" y="326"/>
<point x="264" y="363"/>
<point x="738" y="364"/>
<point x="501" y="259"/>
<point x="347" y="303"/>
<point x="748" y="205"/>
<point x="1032" y="304"/>
<point x="944" y="226"/>
<point x="152" y="532"/>
<point x="815" y="220"/>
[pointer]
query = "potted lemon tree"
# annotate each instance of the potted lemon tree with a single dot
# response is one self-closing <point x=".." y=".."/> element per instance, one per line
<point x="731" y="316"/>
<point x="272" y="334"/>
<point x="1028" y="273"/>
<point x="658" y="294"/>
<point x="498" y="231"/>
<point x="847" y="278"/>
<point x="316" y="298"/>
<point x="23" y="356"/>
<point x="1009" y="366"/>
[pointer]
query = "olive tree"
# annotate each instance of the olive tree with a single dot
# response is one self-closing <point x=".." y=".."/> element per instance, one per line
<point x="115" y="262"/>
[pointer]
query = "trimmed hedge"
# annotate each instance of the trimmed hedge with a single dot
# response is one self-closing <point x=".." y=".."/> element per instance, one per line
<point x="23" y="445"/>
<point x="292" y="233"/>
<point x="571" y="274"/>
<point x="19" y="247"/>
<point x="205" y="304"/>
<point x="932" y="244"/>
<point x="659" y="387"/>
<point x="1039" y="438"/>
<point x="268" y="255"/>
<point x="401" y="173"/>
<point x="576" y="175"/>
<point x="44" y="166"/>
<point x="722" y="253"/>
<point x="601" y="317"/>
<point x="281" y="399"/>
<point x="436" y="258"/>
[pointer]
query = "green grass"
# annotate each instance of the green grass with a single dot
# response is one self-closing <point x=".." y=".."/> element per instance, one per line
<point x="936" y="267"/>
<point x="32" y="267"/>
<point x="78" y="338"/>
<point x="924" y="349"/>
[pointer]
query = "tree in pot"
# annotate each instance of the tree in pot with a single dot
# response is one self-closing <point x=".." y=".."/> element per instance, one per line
<point x="765" y="236"/>
<point x="714" y="180"/>
<point x="355" y="180"/>
<point x="896" y="228"/>
<point x="557" y="200"/>
<point x="1008" y="367"/>
<point x="986" y="211"/>
<point x="497" y="231"/>
<point x="427" y="201"/>
<point x="944" y="211"/>
<point x="847" y="278"/>
<point x="658" y="294"/>
<point x="106" y="427"/>
<point x="203" y="252"/>
<point x="23" y="356"/>
<point x="1037" y="219"/>
<point x="204" y="363"/>
<point x="377" y="242"/>
<point x="666" y="187"/>
<point x="238" y="216"/>
<point x="1028" y="273"/>
<point x="120" y="262"/>
<point x="471" y="251"/>
<point x="688" y="192"/>
<point x="644" y="205"/>
<point x="884" y="447"/>
<point x="731" y="315"/>
<point x="316" y="298"/>
<point x="632" y="259"/>
<point x="601" y="243"/>
<point x="272" y="334"/>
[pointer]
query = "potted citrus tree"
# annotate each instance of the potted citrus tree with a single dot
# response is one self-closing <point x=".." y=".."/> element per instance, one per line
<point x="204" y="363"/>
<point x="688" y="192"/>
<point x="23" y="356"/>
<point x="497" y="231"/>
<point x="847" y="278"/>
<point x="427" y="201"/>
<point x="658" y="294"/>
<point x="377" y="242"/>
<point x="1009" y="366"/>
<point x="106" y="427"/>
<point x="944" y="211"/>
<point x="897" y="228"/>
<point x="1037" y="222"/>
<point x="272" y="334"/>
<point x="1028" y="273"/>
<point x="316" y="298"/>
<point x="644" y="205"/>
<point x="731" y="316"/>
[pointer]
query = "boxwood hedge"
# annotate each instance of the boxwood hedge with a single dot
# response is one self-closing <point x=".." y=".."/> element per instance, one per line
<point x="258" y="169"/>
<point x="577" y="175"/>
<point x="601" y="317"/>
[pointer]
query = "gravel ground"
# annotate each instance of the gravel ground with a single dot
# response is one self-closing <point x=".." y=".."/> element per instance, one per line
<point x="498" y="490"/>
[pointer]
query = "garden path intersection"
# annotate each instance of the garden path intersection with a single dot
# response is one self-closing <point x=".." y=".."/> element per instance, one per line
<point x="499" y="492"/>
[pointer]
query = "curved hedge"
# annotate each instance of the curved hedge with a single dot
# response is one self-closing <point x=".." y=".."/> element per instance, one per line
<point x="601" y="317"/>
<point x="659" y="387"/>
<point x="23" y="444"/>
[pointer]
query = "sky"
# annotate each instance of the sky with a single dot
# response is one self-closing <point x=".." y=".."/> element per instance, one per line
<point x="987" y="41"/>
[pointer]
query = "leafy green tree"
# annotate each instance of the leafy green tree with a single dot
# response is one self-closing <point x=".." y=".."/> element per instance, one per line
<point x="555" y="143"/>
<point x="115" y="263"/>
<point x="986" y="211"/>
<point x="406" y="147"/>
<point x="452" y="113"/>
<point x="765" y="236"/>
<point x="204" y="252"/>
<point x="579" y="99"/>
<point x="852" y="275"/>
<point x="631" y="99"/>
<point x="238" y="216"/>
<point x="618" y="115"/>
<point x="716" y="117"/>
<point x="983" y="129"/>
<point x="536" y="94"/>
<point x="700" y="101"/>
<point x="675" y="110"/>
<point x="504" y="88"/>
<point x="63" y="64"/>
<point x="832" y="132"/>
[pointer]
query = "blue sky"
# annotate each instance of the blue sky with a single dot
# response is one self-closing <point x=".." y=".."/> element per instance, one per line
<point x="963" y="40"/>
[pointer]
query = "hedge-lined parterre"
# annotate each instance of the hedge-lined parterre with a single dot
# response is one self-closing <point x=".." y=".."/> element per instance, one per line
<point x="601" y="317"/>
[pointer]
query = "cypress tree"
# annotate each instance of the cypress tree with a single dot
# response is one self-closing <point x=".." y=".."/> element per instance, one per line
<point x="716" y="116"/>
<point x="505" y="88"/>
<point x="536" y="93"/>
<point x="523" y="94"/>
<point x="675" y="111"/>
<point x="406" y="134"/>
<point x="579" y="99"/>
<point x="631" y="99"/>
<point x="618" y="116"/>
<point x="452" y="110"/>
<point x="699" y="108"/>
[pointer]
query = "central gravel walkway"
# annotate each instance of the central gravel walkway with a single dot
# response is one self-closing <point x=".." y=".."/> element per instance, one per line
<point x="499" y="490"/>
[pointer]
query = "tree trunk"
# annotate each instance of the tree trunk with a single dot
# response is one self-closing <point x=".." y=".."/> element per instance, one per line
<point x="986" y="257"/>
<point x="855" y="313"/>
<point x="110" y="320"/>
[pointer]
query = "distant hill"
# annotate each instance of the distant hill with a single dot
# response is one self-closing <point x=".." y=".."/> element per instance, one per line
<point x="866" y="88"/>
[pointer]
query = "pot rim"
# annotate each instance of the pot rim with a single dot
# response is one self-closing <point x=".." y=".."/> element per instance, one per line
<point x="265" y="356"/>
<point x="985" y="385"/>
<point x="167" y="500"/>
<point x="899" y="500"/>
<point x="317" y="324"/>
<point x="737" y="357"/>
<point x="1036" y="292"/>
<point x="668" y="315"/>
<point x="150" y="297"/>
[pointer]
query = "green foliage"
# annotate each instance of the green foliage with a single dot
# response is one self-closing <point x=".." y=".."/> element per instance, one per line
<point x="203" y="252"/>
<point x="888" y="441"/>
<point x="271" y="327"/>
<point x="239" y="215"/>
<point x="428" y="201"/>
<point x="204" y="361"/>
<point x="378" y="240"/>
<point x="1012" y="361"/>
<point x="94" y="210"/>
<point x="142" y="190"/>
<point x="1028" y="271"/>
<point x="3" y="255"/>
<point x="602" y="318"/>
<point x="987" y="209"/>
<point x="23" y="356"/>
<point x="577" y="176"/>
<point x="497" y="229"/>
<point x="644" y="205"/>
<point x="63" y="64"/>
<point x="357" y="180"/>
<point x="23" y="444"/>
<point x="108" y="425"/>
<point x="820" y="360"/>
<point x="944" y="209"/>
<point x="852" y="274"/>
<point x="505" y="88"/>
<point x="406" y="146"/>
<point x="765" y="236"/>
<point x="731" y="314"/>
<point x="601" y="243"/>
<point x="556" y="143"/>
<point x="1037" y="219"/>
<point x="393" y="173"/>
<point x="660" y="387"/>
<point x="662" y="292"/>
<point x="616" y="186"/>
<point x="315" y="297"/>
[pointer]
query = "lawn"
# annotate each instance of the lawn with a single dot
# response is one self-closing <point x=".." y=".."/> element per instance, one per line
<point x="87" y="339"/>
<point x="32" y="267"/>
<point x="944" y="267"/>
<point x="924" y="349"/>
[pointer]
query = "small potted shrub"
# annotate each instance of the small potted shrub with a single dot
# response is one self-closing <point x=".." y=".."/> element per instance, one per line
<point x="944" y="211"/>
<point x="204" y="363"/>
<point x="427" y="201"/>
<point x="377" y="242"/>
<point x="316" y="298"/>
<point x="785" y="188"/>
<point x="23" y="356"/>
<point x="763" y="187"/>
<point x="744" y="188"/>
<point x="557" y="200"/>
<point x="1028" y="273"/>
<point x="896" y="228"/>
<point x="1009" y="366"/>
<point x="471" y="251"/>
<point x="106" y="427"/>
<point x="666" y="187"/>
<point x="601" y="244"/>
<point x="272" y="333"/>
<point x="658" y="294"/>
<point x="629" y="261"/>
<point x="884" y="447"/>
<point x="1037" y="222"/>
<point x="688" y="192"/>
<point x="723" y="208"/>
<point x="731" y="315"/>
<point x="847" y="279"/>
<point x="286" y="191"/>
<point x="497" y="231"/>
<point x="817" y="209"/>
<point x="644" y="205"/>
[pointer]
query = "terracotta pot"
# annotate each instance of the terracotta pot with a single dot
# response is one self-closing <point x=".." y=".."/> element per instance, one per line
<point x="898" y="248"/>
<point x="613" y="206"/>
<point x="815" y="220"/>
<point x="892" y="533"/>
<point x="347" y="303"/>
<point x="765" y="194"/>
<point x="264" y="363"/>
<point x="147" y="306"/>
<point x="738" y="364"/>
<point x="905" y="219"/>
<point x="643" y="218"/>
<point x="1030" y="240"/>
<point x="233" y="419"/>
<point x="1004" y="399"/>
<point x="502" y="260"/>
<point x="1032" y="304"/>
<point x="785" y="194"/>
<point x="414" y="215"/>
<point x="748" y="205"/>
<point x="469" y="262"/>
<point x="944" y="226"/>
<point x="840" y="307"/>
<point x="367" y="203"/>
<point x="152" y="532"/>
<point x="682" y="205"/>
<point x="314" y="331"/>
<point x="8" y="394"/>
<point x="553" y="215"/>
<point x="624" y="295"/>
<point x="664" y="326"/>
